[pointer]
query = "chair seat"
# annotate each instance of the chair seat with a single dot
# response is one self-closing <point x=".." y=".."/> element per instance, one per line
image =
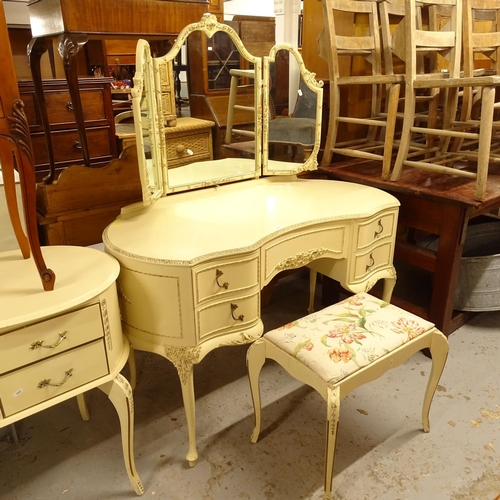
<point x="345" y="337"/>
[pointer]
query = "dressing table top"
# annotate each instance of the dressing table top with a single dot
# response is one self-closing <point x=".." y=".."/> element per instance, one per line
<point x="236" y="217"/>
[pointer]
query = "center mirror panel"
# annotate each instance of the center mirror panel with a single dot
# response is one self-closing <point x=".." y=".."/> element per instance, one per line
<point x="155" y="150"/>
<point x="292" y="107"/>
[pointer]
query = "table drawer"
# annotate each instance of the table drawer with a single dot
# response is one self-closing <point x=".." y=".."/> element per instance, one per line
<point x="298" y="249"/>
<point x="29" y="386"/>
<point x="378" y="227"/>
<point x="216" y="319"/>
<point x="373" y="260"/>
<point x="225" y="278"/>
<point x="41" y="340"/>
<point x="188" y="149"/>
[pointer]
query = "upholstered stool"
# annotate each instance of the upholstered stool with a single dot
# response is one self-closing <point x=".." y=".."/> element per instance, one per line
<point x="342" y="347"/>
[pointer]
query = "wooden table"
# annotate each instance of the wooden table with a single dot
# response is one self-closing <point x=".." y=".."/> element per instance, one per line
<point x="437" y="204"/>
<point x="75" y="22"/>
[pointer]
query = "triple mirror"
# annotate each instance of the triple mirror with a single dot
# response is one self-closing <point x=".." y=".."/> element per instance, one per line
<point x="279" y="95"/>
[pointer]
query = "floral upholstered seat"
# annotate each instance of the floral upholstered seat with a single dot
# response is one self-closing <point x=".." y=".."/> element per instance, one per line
<point x="342" y="347"/>
<point x="347" y="336"/>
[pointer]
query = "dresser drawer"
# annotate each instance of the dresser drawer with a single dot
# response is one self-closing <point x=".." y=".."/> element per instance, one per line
<point x="66" y="145"/>
<point x="375" y="229"/>
<point x="224" y="278"/>
<point x="216" y="319"/>
<point x="299" y="249"/>
<point x="188" y="149"/>
<point x="36" y="342"/>
<point x="29" y="386"/>
<point x="376" y="258"/>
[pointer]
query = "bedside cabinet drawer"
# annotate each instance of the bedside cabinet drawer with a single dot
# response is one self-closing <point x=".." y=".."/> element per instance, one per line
<point x="41" y="340"/>
<point x="42" y="381"/>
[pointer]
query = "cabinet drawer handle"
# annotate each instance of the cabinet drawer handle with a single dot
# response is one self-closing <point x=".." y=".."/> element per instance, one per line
<point x="77" y="146"/>
<point x="218" y="274"/>
<point x="44" y="383"/>
<point x="39" y="343"/>
<point x="370" y="264"/>
<point x="379" y="229"/>
<point x="240" y="317"/>
<point x="69" y="106"/>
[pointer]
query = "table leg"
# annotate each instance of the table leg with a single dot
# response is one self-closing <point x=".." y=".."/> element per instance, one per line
<point x="119" y="393"/>
<point x="36" y="48"/>
<point x="389" y="284"/>
<point x="69" y="46"/>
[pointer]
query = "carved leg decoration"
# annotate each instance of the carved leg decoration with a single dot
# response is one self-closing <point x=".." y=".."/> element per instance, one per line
<point x="332" y="423"/>
<point x="82" y="406"/>
<point x="119" y="393"/>
<point x="68" y="46"/>
<point x="256" y="357"/>
<point x="184" y="358"/>
<point x="439" y="353"/>
<point x="313" y="275"/>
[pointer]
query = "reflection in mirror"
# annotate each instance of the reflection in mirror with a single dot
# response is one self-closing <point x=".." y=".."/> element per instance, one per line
<point x="157" y="152"/>
<point x="292" y="113"/>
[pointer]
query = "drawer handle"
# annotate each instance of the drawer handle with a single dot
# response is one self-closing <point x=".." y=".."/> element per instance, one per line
<point x="370" y="264"/>
<point x="47" y="381"/>
<point x="39" y="343"/>
<point x="77" y="146"/>
<point x="218" y="274"/>
<point x="69" y="106"/>
<point x="379" y="229"/>
<point x="240" y="317"/>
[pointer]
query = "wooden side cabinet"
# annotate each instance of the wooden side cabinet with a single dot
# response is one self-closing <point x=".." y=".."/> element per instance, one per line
<point x="98" y="114"/>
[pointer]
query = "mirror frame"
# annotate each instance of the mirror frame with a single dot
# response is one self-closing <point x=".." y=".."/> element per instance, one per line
<point x="316" y="86"/>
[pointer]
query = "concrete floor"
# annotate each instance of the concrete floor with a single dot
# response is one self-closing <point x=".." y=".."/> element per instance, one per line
<point x="381" y="451"/>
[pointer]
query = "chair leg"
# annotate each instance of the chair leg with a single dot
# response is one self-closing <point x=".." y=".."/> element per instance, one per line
<point x="439" y="352"/>
<point x="332" y="423"/>
<point x="392" y="110"/>
<point x="256" y="357"/>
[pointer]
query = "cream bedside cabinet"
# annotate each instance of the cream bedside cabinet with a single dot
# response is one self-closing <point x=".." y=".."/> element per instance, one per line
<point x="59" y="344"/>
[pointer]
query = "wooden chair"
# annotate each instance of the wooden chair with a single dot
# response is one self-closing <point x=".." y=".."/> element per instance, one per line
<point x="444" y="42"/>
<point x="375" y="140"/>
<point x="342" y="347"/>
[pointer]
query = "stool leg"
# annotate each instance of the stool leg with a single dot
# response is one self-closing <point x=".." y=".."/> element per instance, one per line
<point x="256" y="357"/>
<point x="332" y="422"/>
<point x="439" y="352"/>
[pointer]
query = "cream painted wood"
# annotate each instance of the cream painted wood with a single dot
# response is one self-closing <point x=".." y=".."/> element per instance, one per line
<point x="57" y="345"/>
<point x="332" y="393"/>
<point x="188" y="260"/>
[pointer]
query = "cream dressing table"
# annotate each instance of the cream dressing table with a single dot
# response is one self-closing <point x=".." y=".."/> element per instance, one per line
<point x="193" y="263"/>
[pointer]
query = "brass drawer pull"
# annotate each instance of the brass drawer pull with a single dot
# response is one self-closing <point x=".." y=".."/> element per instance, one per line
<point x="77" y="146"/>
<point x="379" y="230"/>
<point x="218" y="274"/>
<point x="47" y="381"/>
<point x="39" y="343"/>
<point x="371" y="263"/>
<point x="69" y="106"/>
<point x="233" y="308"/>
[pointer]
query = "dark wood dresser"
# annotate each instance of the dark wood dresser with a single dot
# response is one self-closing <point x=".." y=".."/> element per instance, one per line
<point x="98" y="118"/>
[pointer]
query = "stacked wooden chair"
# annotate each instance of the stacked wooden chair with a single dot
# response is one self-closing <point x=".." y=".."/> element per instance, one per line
<point x="376" y="140"/>
<point x="448" y="124"/>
